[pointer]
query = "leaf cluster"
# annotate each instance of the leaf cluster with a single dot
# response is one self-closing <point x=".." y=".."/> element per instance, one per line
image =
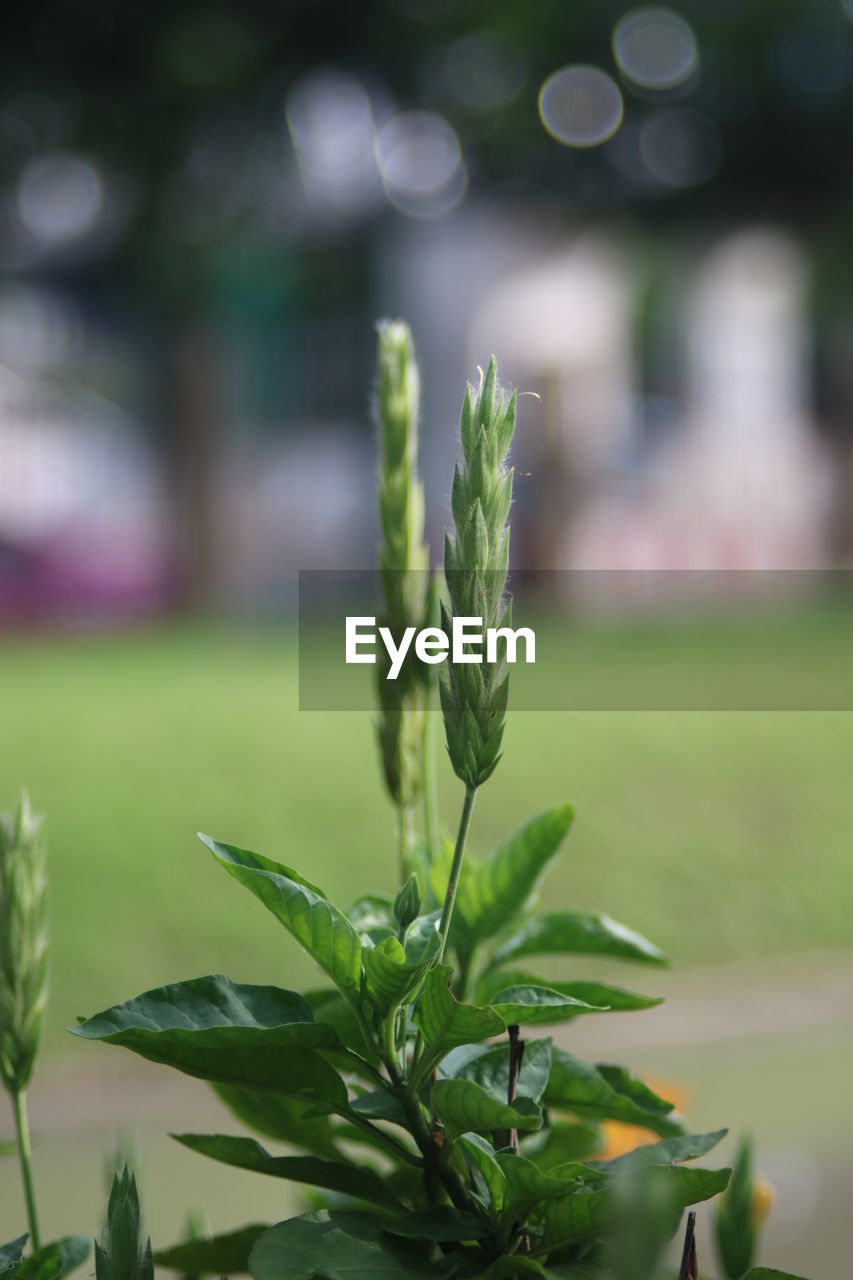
<point x="392" y="1086"/>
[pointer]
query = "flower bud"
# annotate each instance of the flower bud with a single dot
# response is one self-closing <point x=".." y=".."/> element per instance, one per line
<point x="23" y="943"/>
<point x="476" y="561"/>
<point x="407" y="597"/>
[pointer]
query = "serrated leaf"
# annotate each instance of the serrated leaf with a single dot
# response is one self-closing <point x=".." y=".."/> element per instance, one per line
<point x="588" y="1093"/>
<point x="578" y="933"/>
<point x="332" y="1175"/>
<point x="599" y="997"/>
<point x="445" y="1022"/>
<point x="536" y="1006"/>
<point x="687" y="1146"/>
<point x="463" y="1107"/>
<point x="492" y="890"/>
<point x="318" y="926"/>
<point x="218" y="1255"/>
<point x="211" y="1028"/>
<point x="55" y="1260"/>
<point x="489" y="1068"/>
<point x="339" y="1246"/>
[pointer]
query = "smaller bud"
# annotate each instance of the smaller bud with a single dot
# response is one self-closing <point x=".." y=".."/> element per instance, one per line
<point x="407" y="904"/>
<point x="122" y="1255"/>
<point x="23" y="943"/>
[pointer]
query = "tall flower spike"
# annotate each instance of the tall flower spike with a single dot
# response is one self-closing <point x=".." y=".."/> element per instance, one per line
<point x="404" y="566"/>
<point x="23" y="943"/>
<point x="476" y="560"/>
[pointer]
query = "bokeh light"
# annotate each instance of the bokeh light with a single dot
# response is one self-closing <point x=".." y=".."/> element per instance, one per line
<point x="580" y="106"/>
<point x="331" y="125"/>
<point x="60" y="197"/>
<point x="680" y="147"/>
<point x="420" y="159"/>
<point x="655" y="49"/>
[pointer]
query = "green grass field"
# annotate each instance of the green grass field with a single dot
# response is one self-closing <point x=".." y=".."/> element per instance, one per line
<point x="718" y="834"/>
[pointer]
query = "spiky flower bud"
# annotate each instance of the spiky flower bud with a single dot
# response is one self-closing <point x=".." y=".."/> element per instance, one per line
<point x="476" y="560"/>
<point x="403" y="559"/>
<point x="122" y="1255"/>
<point x="23" y="943"/>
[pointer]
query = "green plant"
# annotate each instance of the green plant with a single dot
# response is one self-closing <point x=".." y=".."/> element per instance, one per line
<point x="405" y="581"/>
<point x="444" y="1133"/>
<point x="23" y="972"/>
<point x="23" y="998"/>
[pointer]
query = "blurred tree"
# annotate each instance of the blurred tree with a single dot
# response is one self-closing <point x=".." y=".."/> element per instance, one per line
<point x="172" y="115"/>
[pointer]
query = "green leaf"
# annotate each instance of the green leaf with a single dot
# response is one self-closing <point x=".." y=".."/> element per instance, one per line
<point x="211" y="1028"/>
<point x="324" y="931"/>
<point x="563" y="1143"/>
<point x="598" y="997"/>
<point x="671" y="1189"/>
<point x="441" y="1223"/>
<point x="379" y="1104"/>
<point x="481" y="1153"/>
<point x="492" y="891"/>
<point x="535" y="1006"/>
<point x="282" y="1118"/>
<point x="578" y="933"/>
<point x="339" y="1246"/>
<point x="421" y="937"/>
<point x="10" y="1256"/>
<point x="329" y="1006"/>
<point x="607" y="1094"/>
<point x="445" y="1022"/>
<point x="53" y="1261"/>
<point x="389" y="974"/>
<point x="512" y="1265"/>
<point x="687" y="1146"/>
<point x="464" y="1107"/>
<point x="528" y="1185"/>
<point x="218" y="1255"/>
<point x="245" y="1153"/>
<point x="489" y="1068"/>
<point x="373" y="916"/>
<point x="770" y="1273"/>
<point x="407" y="904"/>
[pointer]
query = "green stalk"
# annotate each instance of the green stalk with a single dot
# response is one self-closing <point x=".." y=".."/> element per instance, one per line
<point x="430" y="789"/>
<point x="22" y="1130"/>
<point x="456" y="868"/>
<point x="405" y="827"/>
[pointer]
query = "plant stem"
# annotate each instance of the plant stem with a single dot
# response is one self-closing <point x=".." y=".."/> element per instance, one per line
<point x="456" y="868"/>
<point x="404" y="840"/>
<point x="516" y="1054"/>
<point x="430" y="791"/>
<point x="450" y="1179"/>
<point x="22" y="1130"/>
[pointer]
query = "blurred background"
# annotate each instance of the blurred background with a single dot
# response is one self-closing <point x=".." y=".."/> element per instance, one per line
<point x="648" y="214"/>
